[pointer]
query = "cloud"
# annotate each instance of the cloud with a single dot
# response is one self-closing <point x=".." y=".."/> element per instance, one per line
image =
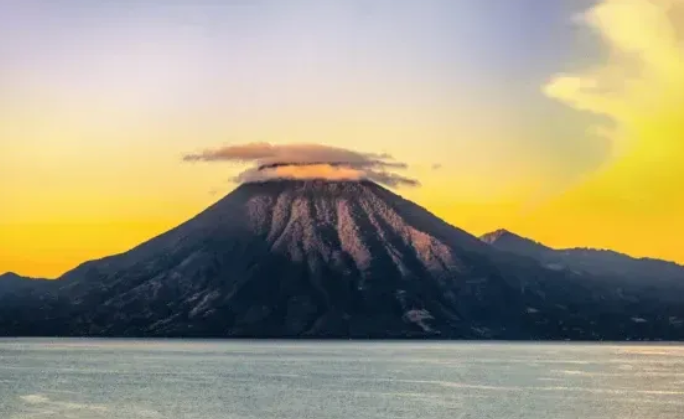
<point x="644" y="71"/>
<point x="307" y="161"/>
<point x="638" y="88"/>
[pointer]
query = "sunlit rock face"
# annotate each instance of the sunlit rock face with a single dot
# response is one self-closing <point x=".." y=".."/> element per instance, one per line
<point x="288" y="258"/>
<point x="340" y="259"/>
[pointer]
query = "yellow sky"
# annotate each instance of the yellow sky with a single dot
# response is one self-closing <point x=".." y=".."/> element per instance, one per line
<point x="83" y="177"/>
<point x="635" y="202"/>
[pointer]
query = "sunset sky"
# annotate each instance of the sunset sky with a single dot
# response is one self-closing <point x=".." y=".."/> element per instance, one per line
<point x="562" y="120"/>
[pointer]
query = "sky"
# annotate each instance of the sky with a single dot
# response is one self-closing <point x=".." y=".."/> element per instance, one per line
<point x="561" y="120"/>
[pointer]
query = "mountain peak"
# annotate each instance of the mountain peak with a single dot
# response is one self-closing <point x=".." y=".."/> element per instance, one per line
<point x="512" y="242"/>
<point x="503" y="234"/>
<point x="313" y="183"/>
<point x="297" y="211"/>
<point x="498" y="235"/>
<point x="287" y="257"/>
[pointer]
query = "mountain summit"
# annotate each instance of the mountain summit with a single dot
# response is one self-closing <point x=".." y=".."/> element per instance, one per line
<point x="505" y="240"/>
<point x="342" y="259"/>
<point x="287" y="258"/>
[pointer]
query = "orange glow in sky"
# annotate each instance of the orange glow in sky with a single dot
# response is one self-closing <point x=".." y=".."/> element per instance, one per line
<point x="564" y="123"/>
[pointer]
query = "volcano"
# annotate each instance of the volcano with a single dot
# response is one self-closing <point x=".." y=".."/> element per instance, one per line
<point x="334" y="259"/>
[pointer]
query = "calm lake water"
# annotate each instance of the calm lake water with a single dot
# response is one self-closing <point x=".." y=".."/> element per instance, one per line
<point x="131" y="379"/>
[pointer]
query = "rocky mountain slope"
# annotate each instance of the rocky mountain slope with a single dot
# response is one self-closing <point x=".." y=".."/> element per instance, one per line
<point x="349" y="259"/>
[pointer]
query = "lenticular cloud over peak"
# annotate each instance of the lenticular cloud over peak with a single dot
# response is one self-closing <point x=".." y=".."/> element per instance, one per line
<point x="307" y="161"/>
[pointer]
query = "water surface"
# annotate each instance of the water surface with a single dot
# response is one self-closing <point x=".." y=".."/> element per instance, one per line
<point x="128" y="379"/>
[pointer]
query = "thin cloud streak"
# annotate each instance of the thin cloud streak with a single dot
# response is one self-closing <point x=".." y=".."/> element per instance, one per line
<point x="307" y="161"/>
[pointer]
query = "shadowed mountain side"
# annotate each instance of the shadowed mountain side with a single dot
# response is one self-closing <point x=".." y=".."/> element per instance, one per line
<point x="588" y="261"/>
<point x="282" y="258"/>
<point x="26" y="305"/>
<point x="336" y="259"/>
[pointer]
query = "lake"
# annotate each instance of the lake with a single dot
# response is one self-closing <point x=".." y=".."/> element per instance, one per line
<point x="128" y="379"/>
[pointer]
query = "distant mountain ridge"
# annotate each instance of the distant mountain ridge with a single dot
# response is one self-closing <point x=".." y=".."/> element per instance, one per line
<point x="11" y="279"/>
<point x="24" y="305"/>
<point x="11" y="276"/>
<point x="587" y="260"/>
<point x="338" y="259"/>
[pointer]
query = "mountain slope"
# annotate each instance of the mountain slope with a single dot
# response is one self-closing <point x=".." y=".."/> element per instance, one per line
<point x="26" y="304"/>
<point x="507" y="241"/>
<point x="335" y="259"/>
<point x="12" y="283"/>
<point x="605" y="263"/>
<point x="283" y="258"/>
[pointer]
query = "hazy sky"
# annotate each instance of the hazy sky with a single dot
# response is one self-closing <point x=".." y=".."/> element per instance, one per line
<point x="559" y="119"/>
